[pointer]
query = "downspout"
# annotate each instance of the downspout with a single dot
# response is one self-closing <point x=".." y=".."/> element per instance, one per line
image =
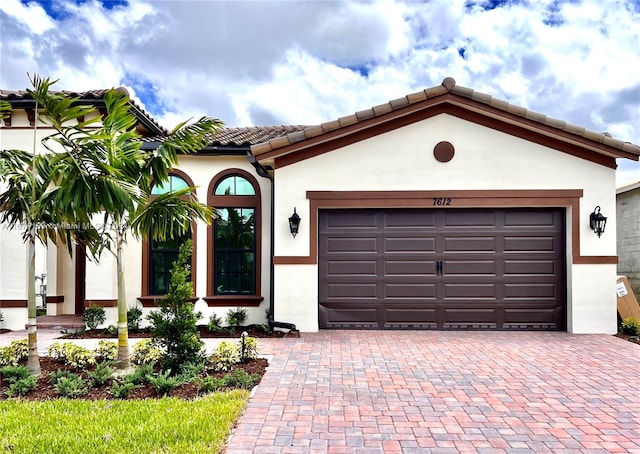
<point x="260" y="169"/>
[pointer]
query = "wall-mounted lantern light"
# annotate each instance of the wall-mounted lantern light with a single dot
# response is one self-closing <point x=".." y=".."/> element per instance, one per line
<point x="597" y="221"/>
<point x="294" y="223"/>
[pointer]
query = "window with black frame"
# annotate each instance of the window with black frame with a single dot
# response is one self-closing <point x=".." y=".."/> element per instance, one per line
<point x="235" y="250"/>
<point x="162" y="253"/>
<point x="234" y="237"/>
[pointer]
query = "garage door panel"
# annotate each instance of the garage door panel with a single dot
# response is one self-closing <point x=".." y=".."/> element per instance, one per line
<point x="471" y="291"/>
<point x="546" y="219"/>
<point x="470" y="244"/>
<point x="484" y="316"/>
<point x="409" y="245"/>
<point x="409" y="219"/>
<point x="530" y="290"/>
<point x="409" y="267"/>
<point x="410" y="317"/>
<point x="470" y="267"/>
<point x="531" y="318"/>
<point x="447" y="269"/>
<point x="351" y="245"/>
<point x="530" y="267"/>
<point x="407" y="291"/>
<point x="359" y="220"/>
<point x="356" y="317"/>
<point x="460" y="218"/>
<point x="352" y="290"/>
<point x="335" y="268"/>
<point x="527" y="244"/>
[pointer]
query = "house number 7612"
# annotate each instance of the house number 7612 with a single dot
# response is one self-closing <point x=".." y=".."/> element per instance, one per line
<point x="442" y="201"/>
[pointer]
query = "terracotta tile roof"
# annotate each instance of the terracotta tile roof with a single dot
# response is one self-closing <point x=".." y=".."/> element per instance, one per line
<point x="448" y="91"/>
<point x="22" y="96"/>
<point x="255" y="134"/>
<point x="233" y="137"/>
<point x="241" y="137"/>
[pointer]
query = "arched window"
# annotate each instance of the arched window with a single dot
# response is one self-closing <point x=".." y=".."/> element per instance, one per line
<point x="175" y="183"/>
<point x="158" y="256"/>
<point x="234" y="240"/>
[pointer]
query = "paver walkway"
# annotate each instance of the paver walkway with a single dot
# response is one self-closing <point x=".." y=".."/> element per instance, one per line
<point x="429" y="391"/>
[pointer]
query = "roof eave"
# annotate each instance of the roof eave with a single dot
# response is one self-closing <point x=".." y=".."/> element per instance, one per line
<point x="333" y="131"/>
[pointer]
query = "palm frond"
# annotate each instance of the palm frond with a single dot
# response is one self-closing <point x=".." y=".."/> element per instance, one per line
<point x="169" y="215"/>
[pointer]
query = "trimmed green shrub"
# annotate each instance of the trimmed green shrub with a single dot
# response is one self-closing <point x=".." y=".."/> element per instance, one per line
<point x="14" y="353"/>
<point x="240" y="379"/>
<point x="22" y="386"/>
<point x="93" y="316"/>
<point x="101" y="375"/>
<point x="134" y="317"/>
<point x="215" y="323"/>
<point x="111" y="330"/>
<point x="140" y="376"/>
<point x="121" y="390"/>
<point x="164" y="382"/>
<point x="192" y="371"/>
<point x="145" y="352"/>
<point x="106" y="351"/>
<point x="71" y="386"/>
<point x="72" y="355"/>
<point x="58" y="374"/>
<point x="14" y="373"/>
<point x="210" y="385"/>
<point x="236" y="317"/>
<point x="225" y="356"/>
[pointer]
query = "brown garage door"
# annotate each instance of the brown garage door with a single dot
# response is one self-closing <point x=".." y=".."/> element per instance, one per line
<point x="442" y="269"/>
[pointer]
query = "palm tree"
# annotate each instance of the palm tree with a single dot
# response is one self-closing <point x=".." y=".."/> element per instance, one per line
<point x="27" y="203"/>
<point x="104" y="172"/>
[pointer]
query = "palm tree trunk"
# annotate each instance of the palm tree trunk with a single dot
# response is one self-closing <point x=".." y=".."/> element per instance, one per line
<point x="33" y="362"/>
<point x="123" y="334"/>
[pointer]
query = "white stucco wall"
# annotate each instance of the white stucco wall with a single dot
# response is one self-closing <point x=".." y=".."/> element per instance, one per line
<point x="101" y="278"/>
<point x="484" y="159"/>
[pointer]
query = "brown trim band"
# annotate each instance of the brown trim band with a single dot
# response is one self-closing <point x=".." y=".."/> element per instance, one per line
<point x="596" y="260"/>
<point x="55" y="299"/>
<point x="569" y="198"/>
<point x="101" y="303"/>
<point x="237" y="301"/>
<point x="14" y="303"/>
<point x="293" y="260"/>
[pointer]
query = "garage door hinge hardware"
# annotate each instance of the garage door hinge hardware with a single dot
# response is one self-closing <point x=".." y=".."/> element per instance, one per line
<point x="439" y="265"/>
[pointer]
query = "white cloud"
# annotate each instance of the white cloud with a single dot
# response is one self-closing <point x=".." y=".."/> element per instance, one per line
<point x="30" y="16"/>
<point x="305" y="62"/>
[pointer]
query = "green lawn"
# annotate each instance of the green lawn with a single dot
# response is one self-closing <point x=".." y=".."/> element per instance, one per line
<point x="120" y="426"/>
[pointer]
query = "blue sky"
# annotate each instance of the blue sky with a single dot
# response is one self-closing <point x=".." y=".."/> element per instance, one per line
<point x="287" y="62"/>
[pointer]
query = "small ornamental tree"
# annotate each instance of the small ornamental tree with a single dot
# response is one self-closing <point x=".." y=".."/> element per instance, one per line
<point x="173" y="326"/>
<point x="104" y="177"/>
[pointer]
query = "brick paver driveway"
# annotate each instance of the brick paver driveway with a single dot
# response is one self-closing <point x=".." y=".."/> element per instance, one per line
<point x="428" y="391"/>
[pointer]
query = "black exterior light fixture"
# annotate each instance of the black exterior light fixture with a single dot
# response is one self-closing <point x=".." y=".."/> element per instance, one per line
<point x="597" y="221"/>
<point x="294" y="223"/>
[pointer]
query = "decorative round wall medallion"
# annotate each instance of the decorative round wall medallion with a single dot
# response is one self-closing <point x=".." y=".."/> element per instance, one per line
<point x="444" y="151"/>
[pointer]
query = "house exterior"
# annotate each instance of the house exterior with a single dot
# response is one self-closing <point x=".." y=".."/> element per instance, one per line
<point x="628" y="233"/>
<point x="445" y="209"/>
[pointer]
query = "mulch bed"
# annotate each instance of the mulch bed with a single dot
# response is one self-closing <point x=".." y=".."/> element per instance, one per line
<point x="45" y="390"/>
